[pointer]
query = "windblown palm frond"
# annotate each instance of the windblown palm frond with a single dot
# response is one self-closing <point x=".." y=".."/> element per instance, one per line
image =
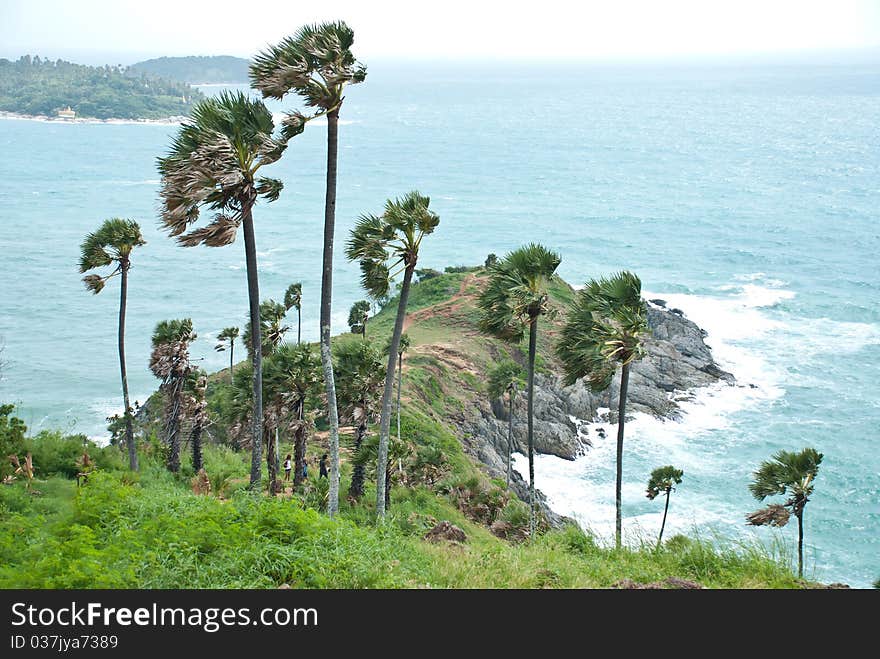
<point x="385" y="245"/>
<point x="213" y="163"/>
<point x="111" y="244"/>
<point x="272" y="327"/>
<point x="790" y="472"/>
<point x="662" y="480"/>
<point x="606" y="327"/>
<point x="360" y="374"/>
<point x="226" y="335"/>
<point x="507" y="377"/>
<point x="316" y="63"/>
<point x="517" y="291"/>
<point x="293" y="296"/>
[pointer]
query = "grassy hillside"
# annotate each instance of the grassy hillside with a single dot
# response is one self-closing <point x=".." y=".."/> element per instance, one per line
<point x="149" y="530"/>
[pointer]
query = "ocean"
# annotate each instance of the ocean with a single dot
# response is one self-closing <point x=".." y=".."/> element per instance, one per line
<point x="745" y="195"/>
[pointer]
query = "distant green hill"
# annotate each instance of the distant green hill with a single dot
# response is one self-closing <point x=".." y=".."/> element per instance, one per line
<point x="195" y="69"/>
<point x="35" y="86"/>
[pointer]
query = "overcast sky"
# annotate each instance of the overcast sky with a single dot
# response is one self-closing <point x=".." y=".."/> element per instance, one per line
<point x="94" y="30"/>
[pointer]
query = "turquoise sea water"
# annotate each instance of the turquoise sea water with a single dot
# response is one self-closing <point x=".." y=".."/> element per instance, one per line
<point x="747" y="196"/>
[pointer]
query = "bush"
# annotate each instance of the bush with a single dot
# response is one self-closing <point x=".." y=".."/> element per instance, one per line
<point x="12" y="432"/>
<point x="54" y="453"/>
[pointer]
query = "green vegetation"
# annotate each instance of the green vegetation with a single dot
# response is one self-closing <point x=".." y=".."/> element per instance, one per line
<point x="149" y="530"/>
<point x="35" y="86"/>
<point x="195" y="69"/>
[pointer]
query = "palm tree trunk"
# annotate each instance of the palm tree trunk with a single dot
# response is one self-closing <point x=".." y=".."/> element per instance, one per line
<point x="801" y="544"/>
<point x="388" y="485"/>
<point x="509" y="435"/>
<point x="129" y="430"/>
<point x="299" y="325"/>
<point x="250" y="250"/>
<point x="533" y="348"/>
<point x="356" y="489"/>
<point x="299" y="455"/>
<point x="196" y="440"/>
<point x="621" y="419"/>
<point x="663" y="523"/>
<point x="385" y="417"/>
<point x="231" y="352"/>
<point x="399" y="382"/>
<point x="326" y="307"/>
<point x="272" y="465"/>
<point x="173" y="427"/>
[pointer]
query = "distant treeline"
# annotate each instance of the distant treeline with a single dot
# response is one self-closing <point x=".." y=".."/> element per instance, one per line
<point x="37" y="86"/>
<point x="195" y="70"/>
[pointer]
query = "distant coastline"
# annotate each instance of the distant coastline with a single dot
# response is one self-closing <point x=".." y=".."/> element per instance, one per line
<point x="169" y="121"/>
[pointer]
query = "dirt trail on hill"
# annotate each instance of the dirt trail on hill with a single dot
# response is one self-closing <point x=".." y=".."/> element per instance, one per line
<point x="434" y="309"/>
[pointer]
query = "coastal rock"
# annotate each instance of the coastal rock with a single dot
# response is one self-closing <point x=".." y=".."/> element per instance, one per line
<point x="568" y="418"/>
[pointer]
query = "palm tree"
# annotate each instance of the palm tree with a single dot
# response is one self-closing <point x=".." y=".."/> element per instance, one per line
<point x="272" y="327"/>
<point x="169" y="361"/>
<point x="196" y="410"/>
<point x="791" y="474"/>
<point x="506" y="378"/>
<point x="606" y="327"/>
<point x="360" y="374"/>
<point x="385" y="246"/>
<point x="663" y="479"/>
<point x="358" y="316"/>
<point x="317" y="64"/>
<point x="293" y="376"/>
<point x="229" y="334"/>
<point x="516" y="296"/>
<point x="213" y="163"/>
<point x="293" y="300"/>
<point x="112" y="245"/>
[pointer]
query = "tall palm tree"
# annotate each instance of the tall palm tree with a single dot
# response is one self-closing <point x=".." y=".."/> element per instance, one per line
<point x="506" y="378"/>
<point x="228" y="334"/>
<point x="293" y="300"/>
<point x="515" y="298"/>
<point x="293" y="376"/>
<point x="169" y="361"/>
<point x="606" y="327"/>
<point x="792" y="474"/>
<point x="366" y="457"/>
<point x="663" y="479"/>
<point x="402" y="347"/>
<point x="358" y="316"/>
<point x="316" y="63"/>
<point x="272" y="327"/>
<point x="196" y="410"/>
<point x="112" y="245"/>
<point x="214" y="162"/>
<point x="385" y="246"/>
<point x="360" y="374"/>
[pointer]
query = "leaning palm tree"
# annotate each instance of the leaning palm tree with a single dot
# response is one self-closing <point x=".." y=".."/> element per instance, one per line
<point x="787" y="473"/>
<point x="169" y="361"/>
<point x="358" y="316"/>
<point x="316" y="63"/>
<point x="386" y="246"/>
<point x="227" y="335"/>
<point x="506" y="378"/>
<point x="293" y="300"/>
<point x="112" y="245"/>
<point x="663" y="479"/>
<point x="293" y="377"/>
<point x="606" y="327"/>
<point x="360" y="373"/>
<point x="214" y="163"/>
<point x="515" y="298"/>
<point x="402" y="347"/>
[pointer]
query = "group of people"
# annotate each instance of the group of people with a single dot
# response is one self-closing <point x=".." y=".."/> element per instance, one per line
<point x="322" y="467"/>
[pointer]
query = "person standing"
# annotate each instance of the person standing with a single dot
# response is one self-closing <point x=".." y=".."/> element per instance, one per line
<point x="287" y="467"/>
<point x="323" y="466"/>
